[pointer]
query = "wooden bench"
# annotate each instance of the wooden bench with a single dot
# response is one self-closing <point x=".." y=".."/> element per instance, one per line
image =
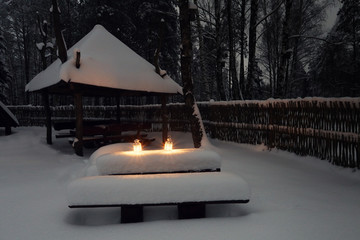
<point x="99" y="133"/>
<point x="188" y="178"/>
<point x="189" y="191"/>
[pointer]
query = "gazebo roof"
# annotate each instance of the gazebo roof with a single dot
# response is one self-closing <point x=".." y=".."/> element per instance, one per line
<point x="107" y="63"/>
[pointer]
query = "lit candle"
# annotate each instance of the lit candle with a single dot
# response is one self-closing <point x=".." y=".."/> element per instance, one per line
<point x="168" y="144"/>
<point x="137" y="145"/>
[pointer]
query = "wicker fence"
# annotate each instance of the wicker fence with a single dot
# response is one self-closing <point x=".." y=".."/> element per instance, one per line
<point x="325" y="128"/>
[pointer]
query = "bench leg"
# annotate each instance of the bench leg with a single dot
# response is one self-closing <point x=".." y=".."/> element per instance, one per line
<point x="194" y="210"/>
<point x="7" y="130"/>
<point x="132" y="214"/>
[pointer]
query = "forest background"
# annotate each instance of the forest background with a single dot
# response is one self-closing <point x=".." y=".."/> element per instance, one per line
<point x="242" y="49"/>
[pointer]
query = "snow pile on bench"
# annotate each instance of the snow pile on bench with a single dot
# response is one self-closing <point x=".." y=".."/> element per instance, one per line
<point x="157" y="189"/>
<point x="158" y="161"/>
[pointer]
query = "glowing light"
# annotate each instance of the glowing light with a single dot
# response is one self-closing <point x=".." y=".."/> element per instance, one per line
<point x="168" y="144"/>
<point x="137" y="145"/>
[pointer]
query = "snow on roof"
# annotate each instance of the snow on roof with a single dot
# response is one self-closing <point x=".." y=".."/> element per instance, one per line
<point x="106" y="62"/>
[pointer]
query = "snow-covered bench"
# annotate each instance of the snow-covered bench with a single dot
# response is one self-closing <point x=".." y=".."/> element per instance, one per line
<point x="188" y="178"/>
<point x="190" y="191"/>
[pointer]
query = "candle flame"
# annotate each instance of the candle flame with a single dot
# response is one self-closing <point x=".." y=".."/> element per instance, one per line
<point x="168" y="144"/>
<point x="137" y="145"/>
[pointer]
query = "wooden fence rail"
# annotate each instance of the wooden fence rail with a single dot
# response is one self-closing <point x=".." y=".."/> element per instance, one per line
<point x="324" y="128"/>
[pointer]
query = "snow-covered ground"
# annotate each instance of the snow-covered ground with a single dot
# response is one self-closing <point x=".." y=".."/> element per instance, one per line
<point x="292" y="197"/>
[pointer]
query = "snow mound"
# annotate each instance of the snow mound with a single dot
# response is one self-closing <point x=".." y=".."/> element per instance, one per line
<point x="157" y="189"/>
<point x="156" y="161"/>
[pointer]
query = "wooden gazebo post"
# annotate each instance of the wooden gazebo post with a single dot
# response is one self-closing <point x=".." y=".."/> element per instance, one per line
<point x="118" y="113"/>
<point x="78" y="143"/>
<point x="165" y="118"/>
<point x="45" y="96"/>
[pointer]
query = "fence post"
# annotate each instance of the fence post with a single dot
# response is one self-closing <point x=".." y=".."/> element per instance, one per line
<point x="270" y="127"/>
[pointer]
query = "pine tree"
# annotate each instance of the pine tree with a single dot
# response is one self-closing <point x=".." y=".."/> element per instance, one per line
<point x="336" y="69"/>
<point x="349" y="28"/>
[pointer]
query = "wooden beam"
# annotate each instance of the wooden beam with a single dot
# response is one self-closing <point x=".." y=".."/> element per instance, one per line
<point x="78" y="143"/>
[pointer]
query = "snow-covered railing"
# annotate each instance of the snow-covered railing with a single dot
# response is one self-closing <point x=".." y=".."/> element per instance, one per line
<point x="328" y="128"/>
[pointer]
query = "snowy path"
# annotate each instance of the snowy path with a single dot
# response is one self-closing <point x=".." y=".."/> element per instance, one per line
<point x="292" y="197"/>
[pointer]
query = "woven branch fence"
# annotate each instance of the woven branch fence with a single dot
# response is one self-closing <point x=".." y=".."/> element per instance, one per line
<point x="324" y="128"/>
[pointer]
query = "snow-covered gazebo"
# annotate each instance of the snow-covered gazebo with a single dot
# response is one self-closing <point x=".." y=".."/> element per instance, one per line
<point x="101" y="65"/>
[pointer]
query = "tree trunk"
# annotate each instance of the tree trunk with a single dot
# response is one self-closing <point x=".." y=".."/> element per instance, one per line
<point x="204" y="82"/>
<point x="285" y="54"/>
<point x="242" y="46"/>
<point x="159" y="46"/>
<point x="25" y="40"/>
<point x="58" y="34"/>
<point x="219" y="79"/>
<point x="295" y="58"/>
<point x="252" y="49"/>
<point x="232" y="58"/>
<point x="186" y="56"/>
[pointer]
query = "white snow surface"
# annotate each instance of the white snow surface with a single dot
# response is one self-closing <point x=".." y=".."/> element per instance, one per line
<point x="292" y="197"/>
<point x="105" y="61"/>
<point x="157" y="189"/>
<point x="155" y="161"/>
